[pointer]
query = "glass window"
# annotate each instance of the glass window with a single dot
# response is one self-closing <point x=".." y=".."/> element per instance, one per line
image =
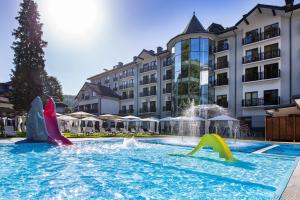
<point x="204" y="77"/>
<point x="178" y="48"/>
<point x="178" y="63"/>
<point x="271" y="97"/>
<point x="251" y="74"/>
<point x="271" y="71"/>
<point x="204" y="44"/>
<point x="195" y="45"/>
<point x="204" y="59"/>
<point x="185" y="46"/>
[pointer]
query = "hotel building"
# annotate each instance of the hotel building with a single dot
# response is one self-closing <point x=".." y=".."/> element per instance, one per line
<point x="244" y="68"/>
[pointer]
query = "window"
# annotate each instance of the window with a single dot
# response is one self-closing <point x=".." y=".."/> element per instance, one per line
<point x="222" y="79"/>
<point x="123" y="109"/>
<point x="168" y="106"/>
<point x="152" y="106"/>
<point x="124" y="95"/>
<point x="131" y="94"/>
<point x="222" y="62"/>
<point x="271" y="71"/>
<point x="251" y="74"/>
<point x="271" y="31"/>
<point x="153" y="90"/>
<point x="130" y="108"/>
<point x="251" y="36"/>
<point x="271" y="51"/>
<point x="144" y="107"/>
<point x="168" y="87"/>
<point x="93" y="93"/>
<point x="252" y="55"/>
<point x="251" y="99"/>
<point x="195" y="45"/>
<point x="94" y="108"/>
<point x="153" y="78"/>
<point x="145" y="92"/>
<point x="271" y="97"/>
<point x="222" y="45"/>
<point x="222" y="100"/>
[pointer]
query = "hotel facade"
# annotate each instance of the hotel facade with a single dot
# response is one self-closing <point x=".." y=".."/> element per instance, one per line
<point x="244" y="68"/>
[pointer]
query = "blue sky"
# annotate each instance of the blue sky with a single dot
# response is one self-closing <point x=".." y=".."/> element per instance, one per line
<point x="121" y="30"/>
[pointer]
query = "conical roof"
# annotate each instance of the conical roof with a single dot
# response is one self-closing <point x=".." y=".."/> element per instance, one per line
<point x="194" y="26"/>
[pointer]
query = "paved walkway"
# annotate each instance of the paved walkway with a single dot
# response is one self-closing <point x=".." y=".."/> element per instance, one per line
<point x="292" y="191"/>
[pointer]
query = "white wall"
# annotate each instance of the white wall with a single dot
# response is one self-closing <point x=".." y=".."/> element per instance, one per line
<point x="110" y="106"/>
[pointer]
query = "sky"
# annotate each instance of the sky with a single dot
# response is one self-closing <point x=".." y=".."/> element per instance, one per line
<point x="86" y="36"/>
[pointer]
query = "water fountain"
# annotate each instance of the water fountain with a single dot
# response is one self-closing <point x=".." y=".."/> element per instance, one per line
<point x="197" y="117"/>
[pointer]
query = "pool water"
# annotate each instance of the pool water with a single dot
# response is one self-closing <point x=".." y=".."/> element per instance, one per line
<point x="111" y="170"/>
<point x="285" y="149"/>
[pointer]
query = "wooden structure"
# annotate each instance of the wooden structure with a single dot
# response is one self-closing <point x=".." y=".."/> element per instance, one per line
<point x="283" y="128"/>
<point x="282" y="123"/>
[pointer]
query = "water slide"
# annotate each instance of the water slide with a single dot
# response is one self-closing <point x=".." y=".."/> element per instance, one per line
<point x="54" y="135"/>
<point x="217" y="143"/>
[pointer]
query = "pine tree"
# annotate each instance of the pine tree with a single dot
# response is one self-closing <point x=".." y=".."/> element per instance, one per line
<point x="53" y="87"/>
<point x="29" y="73"/>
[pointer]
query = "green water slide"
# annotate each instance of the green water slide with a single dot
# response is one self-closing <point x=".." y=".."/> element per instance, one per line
<point x="218" y="145"/>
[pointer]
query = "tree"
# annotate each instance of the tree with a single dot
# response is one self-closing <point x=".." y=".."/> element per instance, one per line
<point x="29" y="73"/>
<point x="53" y="87"/>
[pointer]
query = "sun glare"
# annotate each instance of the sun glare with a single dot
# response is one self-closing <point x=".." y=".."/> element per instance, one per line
<point x="73" y="18"/>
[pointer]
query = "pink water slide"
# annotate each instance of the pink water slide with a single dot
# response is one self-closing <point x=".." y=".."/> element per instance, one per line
<point x="54" y="135"/>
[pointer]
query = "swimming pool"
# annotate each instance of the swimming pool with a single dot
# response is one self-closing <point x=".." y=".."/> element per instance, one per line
<point x="110" y="170"/>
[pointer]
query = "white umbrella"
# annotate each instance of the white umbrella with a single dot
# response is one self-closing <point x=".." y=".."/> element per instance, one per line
<point x="66" y="118"/>
<point x="150" y="119"/>
<point x="81" y="114"/>
<point x="166" y="119"/>
<point x="131" y="118"/>
<point x="92" y="119"/>
<point x="109" y="117"/>
<point x="58" y="114"/>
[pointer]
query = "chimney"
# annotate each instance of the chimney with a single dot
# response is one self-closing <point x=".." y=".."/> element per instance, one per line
<point x="151" y="51"/>
<point x="120" y="64"/>
<point x="134" y="58"/>
<point x="289" y="5"/>
<point x="159" y="49"/>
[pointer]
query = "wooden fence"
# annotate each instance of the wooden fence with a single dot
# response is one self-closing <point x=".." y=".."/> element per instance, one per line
<point x="286" y="128"/>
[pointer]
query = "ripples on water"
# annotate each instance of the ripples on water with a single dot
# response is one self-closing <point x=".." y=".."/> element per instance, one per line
<point x="133" y="169"/>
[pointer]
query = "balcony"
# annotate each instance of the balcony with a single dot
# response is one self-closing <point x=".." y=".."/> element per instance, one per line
<point x="166" y="91"/>
<point x="261" y="36"/>
<point x="128" y="74"/>
<point x="149" y="68"/>
<point x="167" y="62"/>
<point x="106" y="81"/>
<point x="223" y="103"/>
<point x="144" y="110"/>
<point x="128" y="85"/>
<point x="220" y="48"/>
<point x="115" y="89"/>
<point x="260" y="102"/>
<point x="221" y="65"/>
<point x="261" y="56"/>
<point x="115" y="79"/>
<point x="166" y="108"/>
<point x="148" y="81"/>
<point x="123" y="97"/>
<point x="167" y="77"/>
<point x="220" y="82"/>
<point x="261" y="76"/>
<point x="126" y="112"/>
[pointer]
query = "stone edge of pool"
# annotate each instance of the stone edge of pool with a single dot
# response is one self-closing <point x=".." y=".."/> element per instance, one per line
<point x="289" y="191"/>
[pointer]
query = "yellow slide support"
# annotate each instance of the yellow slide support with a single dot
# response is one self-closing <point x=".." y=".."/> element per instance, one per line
<point x="218" y="145"/>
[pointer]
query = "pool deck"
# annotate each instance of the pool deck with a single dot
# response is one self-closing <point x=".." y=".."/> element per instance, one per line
<point x="292" y="190"/>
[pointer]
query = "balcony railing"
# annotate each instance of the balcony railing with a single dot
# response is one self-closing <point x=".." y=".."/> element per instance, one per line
<point x="221" y="65"/>
<point x="128" y="85"/>
<point x="221" y="81"/>
<point x="125" y="112"/>
<point x="167" y="77"/>
<point x="261" y="36"/>
<point x="149" y="68"/>
<point x="115" y="79"/>
<point x="261" y="56"/>
<point x="106" y="81"/>
<point x="261" y="76"/>
<point x="144" y="110"/>
<point x="128" y="74"/>
<point x="223" y="104"/>
<point x="166" y="108"/>
<point x="260" y="102"/>
<point x="115" y="89"/>
<point x="148" y="81"/>
<point x="220" y="48"/>
<point x="148" y="93"/>
<point x="165" y="90"/>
